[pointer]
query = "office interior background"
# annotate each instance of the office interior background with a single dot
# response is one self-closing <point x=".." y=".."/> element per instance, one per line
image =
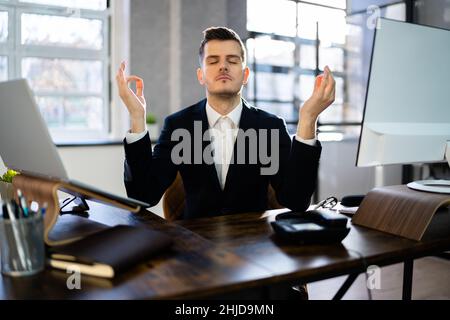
<point x="70" y="50"/>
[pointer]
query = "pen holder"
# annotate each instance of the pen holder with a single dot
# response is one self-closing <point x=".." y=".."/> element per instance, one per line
<point x="6" y="191"/>
<point x="22" y="246"/>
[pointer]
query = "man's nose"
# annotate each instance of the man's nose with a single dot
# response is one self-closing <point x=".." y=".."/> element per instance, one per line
<point x="224" y="67"/>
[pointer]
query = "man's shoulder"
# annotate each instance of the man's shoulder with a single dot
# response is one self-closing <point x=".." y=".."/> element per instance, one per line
<point x="186" y="113"/>
<point x="265" y="117"/>
<point x="269" y="116"/>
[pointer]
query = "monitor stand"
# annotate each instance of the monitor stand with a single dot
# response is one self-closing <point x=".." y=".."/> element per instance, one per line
<point x="435" y="186"/>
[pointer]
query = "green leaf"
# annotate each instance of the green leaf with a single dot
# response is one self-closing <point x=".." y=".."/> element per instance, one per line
<point x="8" y="175"/>
<point x="151" y="118"/>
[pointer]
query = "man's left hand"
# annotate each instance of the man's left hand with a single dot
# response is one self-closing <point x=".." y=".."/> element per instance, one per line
<point x="323" y="96"/>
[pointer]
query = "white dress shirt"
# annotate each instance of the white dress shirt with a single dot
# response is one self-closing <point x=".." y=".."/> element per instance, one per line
<point x="223" y="131"/>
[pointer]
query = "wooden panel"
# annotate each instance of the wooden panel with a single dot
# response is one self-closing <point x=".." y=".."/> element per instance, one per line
<point x="43" y="191"/>
<point x="399" y="210"/>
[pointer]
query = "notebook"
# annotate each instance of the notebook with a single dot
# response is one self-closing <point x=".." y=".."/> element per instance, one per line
<point x="70" y="227"/>
<point x="110" y="251"/>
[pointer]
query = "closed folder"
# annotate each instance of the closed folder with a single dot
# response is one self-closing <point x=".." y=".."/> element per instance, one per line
<point x="110" y="251"/>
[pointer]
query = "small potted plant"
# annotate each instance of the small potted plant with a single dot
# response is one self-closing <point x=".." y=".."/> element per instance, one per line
<point x="6" y="187"/>
<point x="152" y="125"/>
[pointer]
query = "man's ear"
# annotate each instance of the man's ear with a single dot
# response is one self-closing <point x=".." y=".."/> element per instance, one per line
<point x="246" y="75"/>
<point x="200" y="76"/>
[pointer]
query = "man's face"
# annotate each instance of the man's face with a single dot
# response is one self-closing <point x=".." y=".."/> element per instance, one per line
<point x="222" y="71"/>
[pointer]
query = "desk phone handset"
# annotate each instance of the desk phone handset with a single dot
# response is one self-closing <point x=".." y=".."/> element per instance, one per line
<point x="318" y="226"/>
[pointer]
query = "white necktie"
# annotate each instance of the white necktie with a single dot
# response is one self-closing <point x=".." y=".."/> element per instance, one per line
<point x="224" y="137"/>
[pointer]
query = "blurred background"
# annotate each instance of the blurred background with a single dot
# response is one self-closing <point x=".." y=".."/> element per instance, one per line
<point x="70" y="50"/>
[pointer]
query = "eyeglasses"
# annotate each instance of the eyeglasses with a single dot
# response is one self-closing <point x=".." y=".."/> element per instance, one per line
<point x="328" y="203"/>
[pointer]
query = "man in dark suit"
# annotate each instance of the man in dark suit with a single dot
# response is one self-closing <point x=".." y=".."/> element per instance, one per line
<point x="226" y="151"/>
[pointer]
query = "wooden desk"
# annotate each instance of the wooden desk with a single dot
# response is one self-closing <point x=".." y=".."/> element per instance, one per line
<point x="194" y="268"/>
<point x="226" y="256"/>
<point x="251" y="237"/>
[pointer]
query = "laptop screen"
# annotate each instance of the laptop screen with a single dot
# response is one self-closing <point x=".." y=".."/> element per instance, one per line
<point x="25" y="142"/>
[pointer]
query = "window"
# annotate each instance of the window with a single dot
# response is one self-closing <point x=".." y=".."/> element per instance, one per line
<point x="302" y="37"/>
<point x="286" y="54"/>
<point x="62" y="48"/>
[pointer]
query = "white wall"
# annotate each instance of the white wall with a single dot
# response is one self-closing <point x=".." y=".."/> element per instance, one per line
<point x="99" y="166"/>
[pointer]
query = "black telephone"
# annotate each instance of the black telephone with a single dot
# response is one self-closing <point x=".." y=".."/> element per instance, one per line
<point x="319" y="226"/>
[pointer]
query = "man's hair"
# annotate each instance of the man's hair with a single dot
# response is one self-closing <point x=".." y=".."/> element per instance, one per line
<point x="220" y="33"/>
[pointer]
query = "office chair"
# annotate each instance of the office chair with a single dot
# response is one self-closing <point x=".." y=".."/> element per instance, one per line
<point x="174" y="202"/>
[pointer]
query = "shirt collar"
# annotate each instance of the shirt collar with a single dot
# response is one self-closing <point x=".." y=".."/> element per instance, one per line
<point x="234" y="115"/>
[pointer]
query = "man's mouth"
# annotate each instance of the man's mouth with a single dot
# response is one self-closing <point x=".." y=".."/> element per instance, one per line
<point x="223" y="77"/>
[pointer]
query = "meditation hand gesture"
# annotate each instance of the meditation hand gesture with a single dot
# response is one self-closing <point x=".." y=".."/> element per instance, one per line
<point x="135" y="102"/>
<point x="322" y="97"/>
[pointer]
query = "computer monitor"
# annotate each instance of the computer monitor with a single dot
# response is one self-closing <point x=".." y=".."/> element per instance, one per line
<point x="407" y="109"/>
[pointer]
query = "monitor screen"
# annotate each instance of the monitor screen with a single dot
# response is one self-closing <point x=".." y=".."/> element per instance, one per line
<point x="407" y="109"/>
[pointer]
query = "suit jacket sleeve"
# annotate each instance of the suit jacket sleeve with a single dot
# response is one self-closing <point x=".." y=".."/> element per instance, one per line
<point x="296" y="179"/>
<point x="149" y="173"/>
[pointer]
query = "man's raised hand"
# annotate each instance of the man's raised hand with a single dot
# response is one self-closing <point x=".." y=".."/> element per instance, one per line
<point x="135" y="102"/>
<point x="322" y="97"/>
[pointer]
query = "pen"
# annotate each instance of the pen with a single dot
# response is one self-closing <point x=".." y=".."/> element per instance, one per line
<point x="5" y="211"/>
<point x="22" y="203"/>
<point x="14" y="226"/>
<point x="15" y="209"/>
<point x="44" y="209"/>
<point x="22" y="230"/>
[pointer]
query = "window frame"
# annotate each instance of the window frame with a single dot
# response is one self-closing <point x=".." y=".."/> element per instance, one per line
<point x="15" y="51"/>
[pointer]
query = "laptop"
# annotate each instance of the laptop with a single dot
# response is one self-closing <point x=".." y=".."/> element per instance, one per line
<point x="26" y="145"/>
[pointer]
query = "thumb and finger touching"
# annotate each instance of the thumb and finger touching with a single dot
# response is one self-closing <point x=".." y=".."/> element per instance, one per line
<point x="139" y="84"/>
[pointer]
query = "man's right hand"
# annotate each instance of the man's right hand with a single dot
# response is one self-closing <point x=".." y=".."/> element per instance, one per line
<point x="135" y="102"/>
